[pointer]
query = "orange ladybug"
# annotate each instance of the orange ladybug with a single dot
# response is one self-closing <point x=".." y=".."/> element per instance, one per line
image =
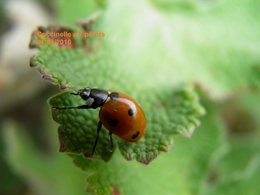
<point x="119" y="113"/>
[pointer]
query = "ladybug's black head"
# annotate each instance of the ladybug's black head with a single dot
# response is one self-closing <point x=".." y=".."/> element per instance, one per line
<point x="83" y="93"/>
<point x="94" y="97"/>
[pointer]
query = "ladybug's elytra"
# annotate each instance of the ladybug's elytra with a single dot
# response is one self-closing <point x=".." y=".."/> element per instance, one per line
<point x="119" y="113"/>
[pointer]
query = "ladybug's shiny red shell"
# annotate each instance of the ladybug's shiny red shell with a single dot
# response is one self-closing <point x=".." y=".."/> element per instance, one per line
<point x="122" y="116"/>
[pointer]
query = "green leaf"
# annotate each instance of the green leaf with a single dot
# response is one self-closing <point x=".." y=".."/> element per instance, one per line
<point x="164" y="119"/>
<point x="168" y="111"/>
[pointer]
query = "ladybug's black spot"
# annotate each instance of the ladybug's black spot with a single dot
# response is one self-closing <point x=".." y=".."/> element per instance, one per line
<point x="114" y="95"/>
<point x="135" y="135"/>
<point x="130" y="112"/>
<point x="113" y="122"/>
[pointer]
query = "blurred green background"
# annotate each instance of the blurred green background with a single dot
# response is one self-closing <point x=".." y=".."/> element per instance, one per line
<point x="223" y="155"/>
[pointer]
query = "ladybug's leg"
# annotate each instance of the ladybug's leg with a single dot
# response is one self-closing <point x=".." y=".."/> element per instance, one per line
<point x="73" y="107"/>
<point x="99" y="126"/>
<point x="111" y="140"/>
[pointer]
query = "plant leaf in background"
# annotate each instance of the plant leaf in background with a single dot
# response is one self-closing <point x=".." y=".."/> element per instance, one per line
<point x="236" y="171"/>
<point x="216" y="45"/>
<point x="44" y="173"/>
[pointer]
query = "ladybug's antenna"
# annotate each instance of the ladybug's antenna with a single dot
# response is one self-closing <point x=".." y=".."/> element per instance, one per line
<point x="73" y="93"/>
<point x="76" y="92"/>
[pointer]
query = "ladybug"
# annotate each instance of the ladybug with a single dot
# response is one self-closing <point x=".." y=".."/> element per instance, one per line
<point x="119" y="113"/>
